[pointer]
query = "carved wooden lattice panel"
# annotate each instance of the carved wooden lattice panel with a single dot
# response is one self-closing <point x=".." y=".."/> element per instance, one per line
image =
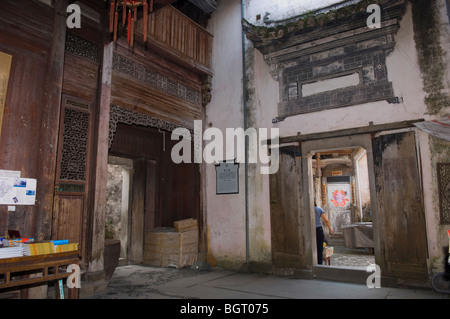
<point x="75" y="140"/>
<point x="145" y="74"/>
<point x="443" y="171"/>
<point x="82" y="47"/>
<point x="122" y="115"/>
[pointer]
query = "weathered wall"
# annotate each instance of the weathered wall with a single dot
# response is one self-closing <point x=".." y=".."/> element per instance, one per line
<point x="21" y="131"/>
<point x="431" y="29"/>
<point x="114" y="201"/>
<point x="432" y="41"/>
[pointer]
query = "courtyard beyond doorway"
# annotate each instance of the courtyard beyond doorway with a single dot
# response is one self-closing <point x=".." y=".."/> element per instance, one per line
<point x="349" y="256"/>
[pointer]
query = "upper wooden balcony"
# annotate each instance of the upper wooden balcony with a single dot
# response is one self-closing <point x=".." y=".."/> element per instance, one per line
<point x="176" y="36"/>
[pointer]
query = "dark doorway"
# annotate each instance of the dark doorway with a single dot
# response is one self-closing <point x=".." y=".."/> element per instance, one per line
<point x="161" y="191"/>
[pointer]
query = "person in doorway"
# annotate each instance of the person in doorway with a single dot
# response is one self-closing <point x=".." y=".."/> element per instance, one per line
<point x="320" y="237"/>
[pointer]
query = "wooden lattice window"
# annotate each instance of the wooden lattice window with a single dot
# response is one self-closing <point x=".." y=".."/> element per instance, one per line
<point x="74" y="140"/>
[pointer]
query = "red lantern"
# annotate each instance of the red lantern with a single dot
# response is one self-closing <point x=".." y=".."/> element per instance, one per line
<point x="130" y="19"/>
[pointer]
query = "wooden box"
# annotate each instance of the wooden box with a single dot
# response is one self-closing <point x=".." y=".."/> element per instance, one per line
<point x="171" y="249"/>
<point x="185" y="225"/>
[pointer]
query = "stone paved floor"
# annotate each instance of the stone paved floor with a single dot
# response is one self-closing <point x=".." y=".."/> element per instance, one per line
<point x="357" y="257"/>
<point x="143" y="282"/>
<point x="138" y="281"/>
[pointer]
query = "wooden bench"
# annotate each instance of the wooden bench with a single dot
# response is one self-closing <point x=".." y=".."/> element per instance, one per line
<point x="15" y="272"/>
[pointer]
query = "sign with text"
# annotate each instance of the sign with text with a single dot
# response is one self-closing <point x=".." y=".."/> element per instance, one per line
<point x="227" y="178"/>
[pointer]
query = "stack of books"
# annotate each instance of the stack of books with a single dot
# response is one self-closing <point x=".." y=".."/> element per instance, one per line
<point x="28" y="247"/>
<point x="49" y="247"/>
<point x="64" y="245"/>
<point x="10" y="252"/>
<point x="38" y="248"/>
<point x="12" y="242"/>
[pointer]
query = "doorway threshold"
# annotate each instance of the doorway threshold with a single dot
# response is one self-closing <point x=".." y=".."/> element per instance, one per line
<point x="349" y="274"/>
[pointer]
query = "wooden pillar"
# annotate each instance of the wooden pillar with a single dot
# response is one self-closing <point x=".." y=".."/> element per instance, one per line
<point x="136" y="253"/>
<point x="46" y="166"/>
<point x="100" y="162"/>
<point x="308" y="227"/>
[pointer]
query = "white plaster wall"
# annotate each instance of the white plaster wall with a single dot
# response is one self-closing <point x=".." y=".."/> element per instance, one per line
<point x="263" y="108"/>
<point x="226" y="213"/>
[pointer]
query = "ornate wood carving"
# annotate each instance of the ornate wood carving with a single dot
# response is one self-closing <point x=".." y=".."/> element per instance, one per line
<point x="82" y="47"/>
<point x="75" y="139"/>
<point x="122" y="115"/>
<point x="145" y="74"/>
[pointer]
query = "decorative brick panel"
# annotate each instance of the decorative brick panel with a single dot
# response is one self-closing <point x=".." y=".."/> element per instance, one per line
<point x="338" y="46"/>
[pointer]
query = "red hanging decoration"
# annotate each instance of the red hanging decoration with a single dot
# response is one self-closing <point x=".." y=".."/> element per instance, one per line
<point x="129" y="20"/>
<point x="145" y="20"/>
<point x="129" y="26"/>
<point x="111" y="17"/>
<point x="116" y="21"/>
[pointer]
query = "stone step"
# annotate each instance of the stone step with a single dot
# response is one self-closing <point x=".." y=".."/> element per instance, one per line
<point x="357" y="275"/>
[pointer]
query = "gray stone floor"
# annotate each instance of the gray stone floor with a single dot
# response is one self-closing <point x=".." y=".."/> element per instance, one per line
<point x="144" y="282"/>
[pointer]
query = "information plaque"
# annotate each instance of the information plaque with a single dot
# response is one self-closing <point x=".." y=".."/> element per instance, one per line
<point x="227" y="178"/>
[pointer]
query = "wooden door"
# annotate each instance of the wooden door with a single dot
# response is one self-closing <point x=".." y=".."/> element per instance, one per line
<point x="401" y="213"/>
<point x="69" y="218"/>
<point x="284" y="211"/>
<point x="71" y="184"/>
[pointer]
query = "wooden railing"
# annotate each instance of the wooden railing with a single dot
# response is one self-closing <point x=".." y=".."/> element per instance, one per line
<point x="172" y="31"/>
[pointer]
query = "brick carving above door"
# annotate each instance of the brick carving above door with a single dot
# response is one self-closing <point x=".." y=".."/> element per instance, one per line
<point x="331" y="61"/>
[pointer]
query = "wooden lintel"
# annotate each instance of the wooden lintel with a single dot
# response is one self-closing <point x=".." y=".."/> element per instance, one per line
<point x="347" y="132"/>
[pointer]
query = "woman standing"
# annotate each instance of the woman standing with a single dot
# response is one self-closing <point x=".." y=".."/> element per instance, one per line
<point x="320" y="237"/>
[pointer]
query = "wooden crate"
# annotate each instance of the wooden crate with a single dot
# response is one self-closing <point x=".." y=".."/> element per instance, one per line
<point x="170" y="248"/>
<point x="185" y="225"/>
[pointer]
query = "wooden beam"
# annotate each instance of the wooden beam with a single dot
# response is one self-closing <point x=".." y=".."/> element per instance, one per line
<point x="48" y="147"/>
<point x="100" y="162"/>
<point x="370" y="129"/>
